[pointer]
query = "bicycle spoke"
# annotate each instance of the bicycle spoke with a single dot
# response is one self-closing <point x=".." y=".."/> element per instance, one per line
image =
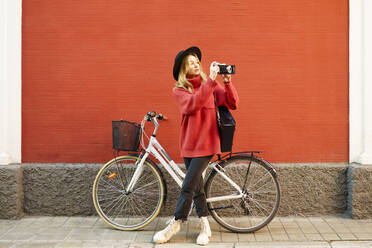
<point x="146" y="185"/>
<point x="121" y="208"/>
<point x="112" y="187"/>
<point x="259" y="181"/>
<point x="113" y="205"/>
<point x="260" y="207"/>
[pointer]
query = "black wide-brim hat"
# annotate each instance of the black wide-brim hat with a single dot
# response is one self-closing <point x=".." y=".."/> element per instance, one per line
<point x="180" y="56"/>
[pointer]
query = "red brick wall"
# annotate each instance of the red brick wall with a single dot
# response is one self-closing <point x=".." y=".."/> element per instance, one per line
<point x="86" y="63"/>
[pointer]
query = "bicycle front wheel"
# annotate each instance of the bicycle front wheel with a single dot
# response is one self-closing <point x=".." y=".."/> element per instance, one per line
<point x="128" y="210"/>
<point x="260" y="194"/>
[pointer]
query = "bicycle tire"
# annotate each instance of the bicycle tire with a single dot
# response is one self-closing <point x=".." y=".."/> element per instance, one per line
<point x="132" y="210"/>
<point x="261" y="194"/>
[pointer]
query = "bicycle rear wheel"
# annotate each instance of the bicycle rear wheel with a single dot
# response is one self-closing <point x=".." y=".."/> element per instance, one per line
<point x="128" y="210"/>
<point x="261" y="194"/>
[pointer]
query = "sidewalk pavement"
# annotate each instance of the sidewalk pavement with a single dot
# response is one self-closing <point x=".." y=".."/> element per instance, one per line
<point x="92" y="232"/>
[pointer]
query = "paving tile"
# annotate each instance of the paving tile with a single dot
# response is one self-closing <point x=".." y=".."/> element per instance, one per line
<point x="279" y="237"/>
<point x="359" y="230"/>
<point x="9" y="222"/>
<point x="112" y="234"/>
<point x="283" y="245"/>
<point x="52" y="233"/>
<point x="215" y="227"/>
<point x="302" y="220"/>
<point x="172" y="245"/>
<point x="27" y="221"/>
<point x="151" y="226"/>
<point x="347" y="236"/>
<point x="263" y="230"/>
<point x="101" y="224"/>
<point x="330" y="236"/>
<point x="351" y="244"/>
<point x="161" y="223"/>
<point x="289" y="224"/>
<point x="4" y="230"/>
<point x="83" y="234"/>
<point x="144" y="236"/>
<point x="194" y="245"/>
<point x="20" y="233"/>
<point x="140" y="245"/>
<point x="297" y="237"/>
<point x="314" y="236"/>
<point x="316" y="219"/>
<point x="333" y="219"/>
<point x="275" y="226"/>
<point x="180" y="237"/>
<point x="58" y="221"/>
<point x="277" y="230"/>
<point x="40" y="222"/>
<point x="229" y="237"/>
<point x="245" y="237"/>
<point x="293" y="230"/>
<point x="363" y="235"/>
<point x="192" y="236"/>
<point x="81" y="222"/>
<point x="70" y="244"/>
<point x="324" y="229"/>
<point x="309" y="229"/>
<point x="219" y="245"/>
<point x="36" y="245"/>
<point x="104" y="244"/>
<point x="6" y="244"/>
<point x="286" y="219"/>
<point x="263" y="237"/>
<point x="216" y="237"/>
<point x="340" y="228"/>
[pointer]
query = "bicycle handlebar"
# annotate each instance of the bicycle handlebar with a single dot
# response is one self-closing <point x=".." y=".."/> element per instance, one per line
<point x="153" y="117"/>
<point x="152" y="114"/>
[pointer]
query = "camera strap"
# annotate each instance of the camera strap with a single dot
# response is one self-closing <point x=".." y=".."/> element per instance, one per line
<point x="218" y="113"/>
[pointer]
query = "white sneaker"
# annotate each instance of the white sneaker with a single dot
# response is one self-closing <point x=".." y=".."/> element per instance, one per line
<point x="164" y="235"/>
<point x="205" y="232"/>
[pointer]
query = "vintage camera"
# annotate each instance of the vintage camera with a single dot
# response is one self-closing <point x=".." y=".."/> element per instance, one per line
<point x="226" y="69"/>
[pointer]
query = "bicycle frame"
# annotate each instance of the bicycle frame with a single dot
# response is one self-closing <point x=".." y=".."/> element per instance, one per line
<point x="173" y="169"/>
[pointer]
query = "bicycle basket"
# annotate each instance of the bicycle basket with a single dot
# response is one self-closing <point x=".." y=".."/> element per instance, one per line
<point x="126" y="135"/>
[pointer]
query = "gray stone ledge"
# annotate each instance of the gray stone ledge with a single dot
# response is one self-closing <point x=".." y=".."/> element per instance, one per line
<point x="310" y="189"/>
<point x="59" y="189"/>
<point x="360" y="191"/>
<point x="11" y="191"/>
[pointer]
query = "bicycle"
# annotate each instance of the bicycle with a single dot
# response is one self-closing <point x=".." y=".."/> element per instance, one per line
<point x="242" y="190"/>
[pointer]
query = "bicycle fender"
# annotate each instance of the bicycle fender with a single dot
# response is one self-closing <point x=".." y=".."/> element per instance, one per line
<point x="271" y="168"/>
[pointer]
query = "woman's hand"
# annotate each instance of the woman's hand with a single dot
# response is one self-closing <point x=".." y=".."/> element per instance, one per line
<point x="213" y="70"/>
<point x="226" y="78"/>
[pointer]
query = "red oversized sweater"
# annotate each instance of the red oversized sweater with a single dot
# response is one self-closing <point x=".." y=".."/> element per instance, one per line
<point x="199" y="131"/>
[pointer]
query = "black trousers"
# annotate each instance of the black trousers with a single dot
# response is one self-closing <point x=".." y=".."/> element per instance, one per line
<point x="193" y="188"/>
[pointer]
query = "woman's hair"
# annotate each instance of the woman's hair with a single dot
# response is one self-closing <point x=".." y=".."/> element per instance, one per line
<point x="182" y="79"/>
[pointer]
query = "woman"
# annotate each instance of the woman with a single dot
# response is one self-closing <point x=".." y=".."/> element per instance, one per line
<point x="199" y="140"/>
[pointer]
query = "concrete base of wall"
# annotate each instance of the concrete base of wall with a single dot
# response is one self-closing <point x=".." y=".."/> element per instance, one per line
<point x="360" y="191"/>
<point x="312" y="189"/>
<point x="66" y="189"/>
<point x="59" y="189"/>
<point x="306" y="190"/>
<point x="11" y="191"/>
